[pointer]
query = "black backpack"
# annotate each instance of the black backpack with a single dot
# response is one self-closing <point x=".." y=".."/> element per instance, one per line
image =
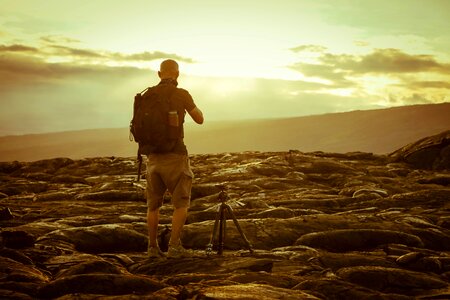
<point x="150" y="126"/>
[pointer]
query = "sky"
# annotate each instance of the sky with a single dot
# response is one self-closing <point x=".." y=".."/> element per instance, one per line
<point x="69" y="65"/>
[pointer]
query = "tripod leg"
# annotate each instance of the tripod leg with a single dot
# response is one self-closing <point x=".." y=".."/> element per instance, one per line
<point x="247" y="243"/>
<point x="221" y="229"/>
<point x="209" y="248"/>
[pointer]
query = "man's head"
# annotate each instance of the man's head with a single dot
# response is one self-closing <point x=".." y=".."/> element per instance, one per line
<point x="168" y="69"/>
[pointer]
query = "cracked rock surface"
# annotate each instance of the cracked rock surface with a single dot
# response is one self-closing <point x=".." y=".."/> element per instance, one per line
<point x="322" y="226"/>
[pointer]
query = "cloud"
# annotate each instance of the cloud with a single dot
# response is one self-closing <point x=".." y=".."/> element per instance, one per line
<point x="19" y="70"/>
<point x="429" y="84"/>
<point x="51" y="50"/>
<point x="336" y="78"/>
<point x="309" y="48"/>
<point x="361" y="43"/>
<point x="17" y="48"/>
<point x="69" y="51"/>
<point x="58" y="39"/>
<point x="391" y="75"/>
<point x="386" y="61"/>
<point x="147" y="56"/>
<point x="23" y="64"/>
<point x="380" y="61"/>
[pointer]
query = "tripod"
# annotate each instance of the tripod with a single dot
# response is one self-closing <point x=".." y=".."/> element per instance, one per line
<point x="221" y="223"/>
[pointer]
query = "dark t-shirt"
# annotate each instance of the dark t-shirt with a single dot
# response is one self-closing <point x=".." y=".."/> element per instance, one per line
<point x="182" y="102"/>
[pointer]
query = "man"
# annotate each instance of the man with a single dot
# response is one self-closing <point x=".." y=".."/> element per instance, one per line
<point x="171" y="171"/>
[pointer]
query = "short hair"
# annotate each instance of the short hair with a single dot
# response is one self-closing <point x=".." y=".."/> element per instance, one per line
<point x="168" y="66"/>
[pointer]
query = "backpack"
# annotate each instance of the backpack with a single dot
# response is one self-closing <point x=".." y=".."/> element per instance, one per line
<point x="150" y="126"/>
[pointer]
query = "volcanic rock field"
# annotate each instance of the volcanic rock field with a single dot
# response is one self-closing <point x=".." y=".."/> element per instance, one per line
<point x="321" y="225"/>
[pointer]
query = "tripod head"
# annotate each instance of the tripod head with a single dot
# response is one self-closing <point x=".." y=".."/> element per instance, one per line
<point x="223" y="195"/>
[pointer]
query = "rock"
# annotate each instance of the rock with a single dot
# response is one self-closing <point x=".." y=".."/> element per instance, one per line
<point x="113" y="195"/>
<point x="362" y="216"/>
<point x="335" y="289"/>
<point x="51" y="165"/>
<point x="440" y="179"/>
<point x="5" y="213"/>
<point x="12" y="294"/>
<point x="356" y="239"/>
<point x="391" y="280"/>
<point x="101" y="238"/>
<point x="102" y="284"/>
<point x="408" y="258"/>
<point x="285" y="282"/>
<point x="93" y="267"/>
<point x="23" y="186"/>
<point x="16" y="255"/>
<point x="17" y="239"/>
<point x="328" y="167"/>
<point x="13" y="270"/>
<point x="68" y="179"/>
<point x="379" y="193"/>
<point x="418" y="262"/>
<point x="38" y="176"/>
<point x="434" y="198"/>
<point x="337" y="261"/>
<point x="52" y="196"/>
<point x="429" y="153"/>
<point x="203" y="190"/>
<point x="433" y="238"/>
<point x="250" y="291"/>
<point x="278" y="212"/>
<point x="10" y="167"/>
<point x="202" y="264"/>
<point x="187" y="278"/>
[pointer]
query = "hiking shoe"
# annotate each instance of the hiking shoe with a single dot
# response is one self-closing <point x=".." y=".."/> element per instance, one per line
<point x="155" y="252"/>
<point x="178" y="252"/>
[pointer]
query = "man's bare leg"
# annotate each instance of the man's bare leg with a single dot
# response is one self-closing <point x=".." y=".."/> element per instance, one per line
<point x="178" y="219"/>
<point x="152" y="224"/>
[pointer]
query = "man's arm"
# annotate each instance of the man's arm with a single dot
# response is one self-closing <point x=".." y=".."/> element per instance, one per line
<point x="196" y="115"/>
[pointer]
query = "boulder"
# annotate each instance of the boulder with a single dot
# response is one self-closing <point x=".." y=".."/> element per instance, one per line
<point x="101" y="238"/>
<point x="5" y="213"/>
<point x="356" y="239"/>
<point x="428" y="153"/>
<point x="13" y="270"/>
<point x="335" y="289"/>
<point x="102" y="284"/>
<point x="250" y="291"/>
<point x="17" y="239"/>
<point x="391" y="280"/>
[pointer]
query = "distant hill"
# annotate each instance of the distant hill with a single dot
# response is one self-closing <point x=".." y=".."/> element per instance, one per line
<point x="378" y="131"/>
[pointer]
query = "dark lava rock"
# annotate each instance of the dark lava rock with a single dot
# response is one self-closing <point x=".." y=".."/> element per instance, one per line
<point x="12" y="270"/>
<point x="93" y="267"/>
<point x="5" y="213"/>
<point x="51" y="165"/>
<point x="67" y="179"/>
<point x="367" y="228"/>
<point x="103" y="284"/>
<point x="201" y="263"/>
<point x="428" y="153"/>
<point x="17" y="239"/>
<point x="250" y="291"/>
<point x="356" y="239"/>
<point x="112" y="195"/>
<point x="335" y="289"/>
<point x="12" y="294"/>
<point x="16" y="255"/>
<point x="391" y="280"/>
<point x="107" y="238"/>
<point x="9" y="167"/>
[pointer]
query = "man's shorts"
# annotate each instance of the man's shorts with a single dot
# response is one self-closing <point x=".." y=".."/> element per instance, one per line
<point x="172" y="172"/>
